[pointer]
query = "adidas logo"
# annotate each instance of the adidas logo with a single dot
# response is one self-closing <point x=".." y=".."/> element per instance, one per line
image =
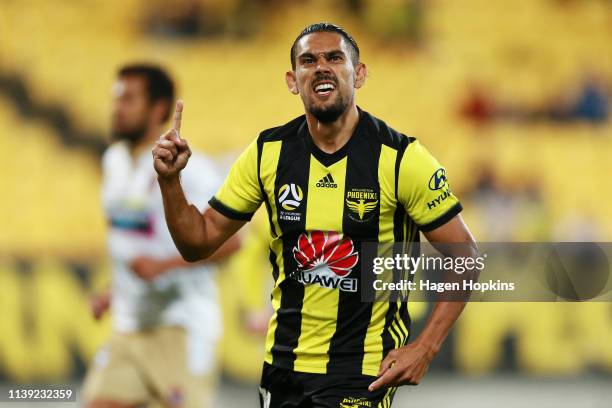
<point x="327" y="182"/>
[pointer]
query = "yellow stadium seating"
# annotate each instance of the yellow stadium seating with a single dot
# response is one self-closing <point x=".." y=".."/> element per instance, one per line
<point x="69" y="51"/>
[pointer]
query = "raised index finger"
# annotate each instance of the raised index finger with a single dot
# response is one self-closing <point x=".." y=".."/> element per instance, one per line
<point x="178" y="115"/>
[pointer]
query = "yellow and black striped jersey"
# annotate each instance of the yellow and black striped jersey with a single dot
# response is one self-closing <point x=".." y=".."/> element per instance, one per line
<point x="381" y="186"/>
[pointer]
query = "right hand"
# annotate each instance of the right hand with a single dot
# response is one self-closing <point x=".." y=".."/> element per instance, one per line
<point x="171" y="152"/>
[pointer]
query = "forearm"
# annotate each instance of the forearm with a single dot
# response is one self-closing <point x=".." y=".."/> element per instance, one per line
<point x="228" y="248"/>
<point x="453" y="240"/>
<point x="439" y="324"/>
<point x="185" y="222"/>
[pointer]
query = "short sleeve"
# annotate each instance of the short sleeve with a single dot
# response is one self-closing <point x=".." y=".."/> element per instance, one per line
<point x="240" y="196"/>
<point x="424" y="189"/>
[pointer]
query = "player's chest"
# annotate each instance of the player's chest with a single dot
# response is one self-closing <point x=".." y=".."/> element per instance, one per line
<point x="349" y="195"/>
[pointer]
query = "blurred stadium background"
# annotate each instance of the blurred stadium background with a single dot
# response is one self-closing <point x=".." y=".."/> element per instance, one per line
<point x="511" y="95"/>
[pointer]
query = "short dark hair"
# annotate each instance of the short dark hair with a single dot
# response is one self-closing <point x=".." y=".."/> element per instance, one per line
<point x="160" y="86"/>
<point x="329" y="28"/>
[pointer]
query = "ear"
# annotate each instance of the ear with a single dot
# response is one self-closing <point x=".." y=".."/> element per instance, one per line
<point x="291" y="82"/>
<point x="361" y="72"/>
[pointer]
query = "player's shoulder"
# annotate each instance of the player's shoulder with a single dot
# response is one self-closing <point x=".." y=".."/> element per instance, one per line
<point x="386" y="135"/>
<point x="278" y="133"/>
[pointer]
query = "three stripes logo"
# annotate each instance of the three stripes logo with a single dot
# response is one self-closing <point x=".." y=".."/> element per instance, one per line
<point x="327" y="182"/>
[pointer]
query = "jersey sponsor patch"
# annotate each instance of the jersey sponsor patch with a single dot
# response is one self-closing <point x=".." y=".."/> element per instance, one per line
<point x="438" y="179"/>
<point x="326" y="259"/>
<point x="361" y="203"/>
<point x="439" y="199"/>
<point x="290" y="197"/>
<point x="351" y="402"/>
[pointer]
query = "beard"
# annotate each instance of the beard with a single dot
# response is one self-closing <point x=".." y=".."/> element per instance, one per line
<point x="329" y="114"/>
<point x="132" y="136"/>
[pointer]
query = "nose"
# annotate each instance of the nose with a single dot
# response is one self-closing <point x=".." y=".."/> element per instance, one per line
<point x="322" y="65"/>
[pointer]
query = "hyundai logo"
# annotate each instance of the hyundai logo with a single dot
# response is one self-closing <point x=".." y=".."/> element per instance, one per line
<point x="438" y="179"/>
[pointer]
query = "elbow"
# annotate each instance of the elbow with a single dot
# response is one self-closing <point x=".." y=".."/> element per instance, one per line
<point x="472" y="245"/>
<point x="191" y="256"/>
<point x="192" y="253"/>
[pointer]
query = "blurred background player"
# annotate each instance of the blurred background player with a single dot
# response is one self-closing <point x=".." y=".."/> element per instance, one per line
<point x="165" y="312"/>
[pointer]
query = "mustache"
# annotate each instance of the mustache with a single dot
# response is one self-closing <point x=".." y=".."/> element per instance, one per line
<point x="324" y="77"/>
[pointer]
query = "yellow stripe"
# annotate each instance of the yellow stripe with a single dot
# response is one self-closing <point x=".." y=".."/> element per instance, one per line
<point x="269" y="162"/>
<point x="386" y="181"/>
<point x="373" y="345"/>
<point x="386" y="401"/>
<point x="394" y="333"/>
<point x="401" y="333"/>
<point x="320" y="308"/>
<point x="402" y="325"/>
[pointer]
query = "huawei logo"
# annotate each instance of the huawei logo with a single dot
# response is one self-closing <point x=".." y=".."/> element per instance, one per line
<point x="326" y="259"/>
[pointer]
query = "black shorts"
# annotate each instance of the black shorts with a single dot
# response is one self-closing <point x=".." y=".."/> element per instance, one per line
<point x="282" y="388"/>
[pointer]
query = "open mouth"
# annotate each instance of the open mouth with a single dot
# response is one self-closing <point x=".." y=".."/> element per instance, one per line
<point x="324" y="88"/>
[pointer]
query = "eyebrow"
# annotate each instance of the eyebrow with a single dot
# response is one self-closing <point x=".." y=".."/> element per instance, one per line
<point x="327" y="54"/>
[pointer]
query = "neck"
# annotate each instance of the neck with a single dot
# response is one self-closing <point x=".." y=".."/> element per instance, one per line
<point x="330" y="137"/>
<point x="146" y="143"/>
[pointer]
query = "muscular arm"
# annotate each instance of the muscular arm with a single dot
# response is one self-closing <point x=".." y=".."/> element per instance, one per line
<point x="408" y="364"/>
<point x="444" y="314"/>
<point x="196" y="235"/>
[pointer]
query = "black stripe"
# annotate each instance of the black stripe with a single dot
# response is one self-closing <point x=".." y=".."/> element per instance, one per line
<point x="260" y="143"/>
<point x="272" y="259"/>
<point x="331" y="179"/>
<point x="443" y="219"/>
<point x="398" y="216"/>
<point x="405" y="316"/>
<point x="412" y="236"/>
<point x="229" y="212"/>
<point x="346" y="349"/>
<point x="293" y="168"/>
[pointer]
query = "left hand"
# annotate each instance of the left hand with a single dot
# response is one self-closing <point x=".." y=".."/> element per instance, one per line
<point x="147" y="268"/>
<point x="404" y="366"/>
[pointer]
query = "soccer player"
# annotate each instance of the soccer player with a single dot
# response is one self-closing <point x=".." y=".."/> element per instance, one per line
<point x="331" y="180"/>
<point x="165" y="313"/>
